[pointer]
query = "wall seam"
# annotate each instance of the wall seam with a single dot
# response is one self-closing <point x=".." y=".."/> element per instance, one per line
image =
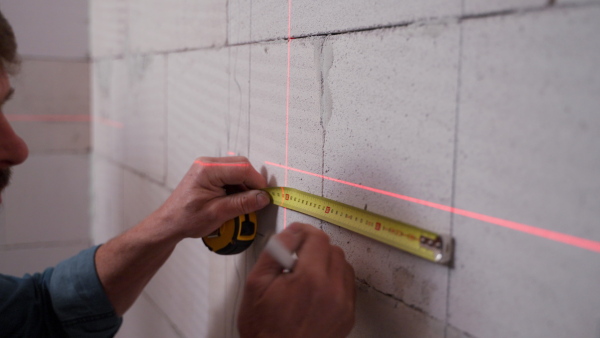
<point x="249" y="83"/>
<point x="148" y="297"/>
<point x="454" y="161"/>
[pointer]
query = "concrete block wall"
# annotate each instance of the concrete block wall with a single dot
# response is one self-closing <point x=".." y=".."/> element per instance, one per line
<point x="45" y="213"/>
<point x="489" y="107"/>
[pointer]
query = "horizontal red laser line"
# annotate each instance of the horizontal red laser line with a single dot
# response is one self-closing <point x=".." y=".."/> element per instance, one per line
<point x="220" y="164"/>
<point x="110" y="123"/>
<point x="548" y="234"/>
<point x="61" y="118"/>
<point x="47" y="118"/>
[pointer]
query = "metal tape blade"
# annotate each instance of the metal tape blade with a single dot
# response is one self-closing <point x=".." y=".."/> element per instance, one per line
<point x="420" y="242"/>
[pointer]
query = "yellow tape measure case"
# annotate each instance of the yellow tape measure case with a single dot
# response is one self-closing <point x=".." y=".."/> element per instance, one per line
<point x="234" y="236"/>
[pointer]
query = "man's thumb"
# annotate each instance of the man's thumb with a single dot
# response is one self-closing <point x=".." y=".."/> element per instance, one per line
<point x="245" y="202"/>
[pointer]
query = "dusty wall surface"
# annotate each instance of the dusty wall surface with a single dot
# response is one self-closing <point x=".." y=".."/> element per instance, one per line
<point x="489" y="107"/>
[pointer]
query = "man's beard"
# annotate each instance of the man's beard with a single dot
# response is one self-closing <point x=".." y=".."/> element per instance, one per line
<point x="4" y="178"/>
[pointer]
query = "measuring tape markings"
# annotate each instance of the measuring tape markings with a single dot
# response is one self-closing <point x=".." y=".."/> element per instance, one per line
<point x="423" y="243"/>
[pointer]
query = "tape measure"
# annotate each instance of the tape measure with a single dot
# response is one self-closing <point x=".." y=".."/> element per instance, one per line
<point x="423" y="243"/>
<point x="234" y="236"/>
<point x="238" y="234"/>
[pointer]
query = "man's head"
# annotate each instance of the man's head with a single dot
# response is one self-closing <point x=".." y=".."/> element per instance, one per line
<point x="12" y="148"/>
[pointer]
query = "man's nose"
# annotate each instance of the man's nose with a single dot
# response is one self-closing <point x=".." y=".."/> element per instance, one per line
<point x="13" y="150"/>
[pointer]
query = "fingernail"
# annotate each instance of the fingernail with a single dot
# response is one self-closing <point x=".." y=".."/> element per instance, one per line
<point x="262" y="199"/>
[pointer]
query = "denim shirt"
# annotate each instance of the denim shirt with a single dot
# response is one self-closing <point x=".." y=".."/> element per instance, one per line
<point x="65" y="301"/>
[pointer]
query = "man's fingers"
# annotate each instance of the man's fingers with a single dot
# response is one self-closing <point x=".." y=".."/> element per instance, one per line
<point x="314" y="253"/>
<point x="241" y="203"/>
<point x="222" y="171"/>
<point x="341" y="267"/>
<point x="267" y="268"/>
<point x="291" y="239"/>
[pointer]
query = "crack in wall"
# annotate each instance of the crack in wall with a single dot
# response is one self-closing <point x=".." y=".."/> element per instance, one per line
<point x="323" y="58"/>
<point x="364" y="283"/>
<point x="323" y="63"/>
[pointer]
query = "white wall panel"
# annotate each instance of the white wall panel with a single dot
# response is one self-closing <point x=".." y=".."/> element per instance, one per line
<point x="527" y="152"/>
<point x="490" y="111"/>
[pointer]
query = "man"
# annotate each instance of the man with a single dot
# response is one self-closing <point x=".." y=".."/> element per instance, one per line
<point x="86" y="295"/>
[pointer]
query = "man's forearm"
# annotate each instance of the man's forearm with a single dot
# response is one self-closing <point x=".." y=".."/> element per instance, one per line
<point x="127" y="263"/>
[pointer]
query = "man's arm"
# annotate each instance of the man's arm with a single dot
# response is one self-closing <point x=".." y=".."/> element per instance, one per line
<point x="64" y="301"/>
<point x="197" y="207"/>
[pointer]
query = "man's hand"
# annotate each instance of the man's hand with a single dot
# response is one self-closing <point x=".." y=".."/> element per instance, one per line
<point x="200" y="204"/>
<point x="316" y="299"/>
<point x="197" y="207"/>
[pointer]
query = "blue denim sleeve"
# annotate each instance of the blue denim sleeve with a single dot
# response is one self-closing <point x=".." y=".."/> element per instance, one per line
<point x="65" y="301"/>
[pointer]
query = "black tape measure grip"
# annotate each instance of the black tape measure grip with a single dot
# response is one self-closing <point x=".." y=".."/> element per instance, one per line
<point x="234" y="236"/>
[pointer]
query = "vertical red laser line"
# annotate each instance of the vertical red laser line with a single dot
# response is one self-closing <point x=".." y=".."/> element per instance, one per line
<point x="579" y="242"/>
<point x="287" y="102"/>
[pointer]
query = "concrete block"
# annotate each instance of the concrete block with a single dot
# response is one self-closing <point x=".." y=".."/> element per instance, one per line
<point x="198" y="113"/>
<point x="391" y="127"/>
<point x="145" y="121"/>
<point x="48" y="200"/>
<point x="486" y="6"/>
<point x="269" y="19"/>
<point x="239" y="13"/>
<point x="107" y="199"/>
<point x="176" y="25"/>
<point x="583" y="2"/>
<point x="527" y="152"/>
<point x="238" y="117"/>
<point x="141" y="196"/>
<point x="19" y="260"/>
<point x="379" y="315"/>
<point x="57" y="29"/>
<point x="129" y="113"/>
<point x="146" y="319"/>
<point x="110" y="101"/>
<point x="109" y="34"/>
<point x="50" y="109"/>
